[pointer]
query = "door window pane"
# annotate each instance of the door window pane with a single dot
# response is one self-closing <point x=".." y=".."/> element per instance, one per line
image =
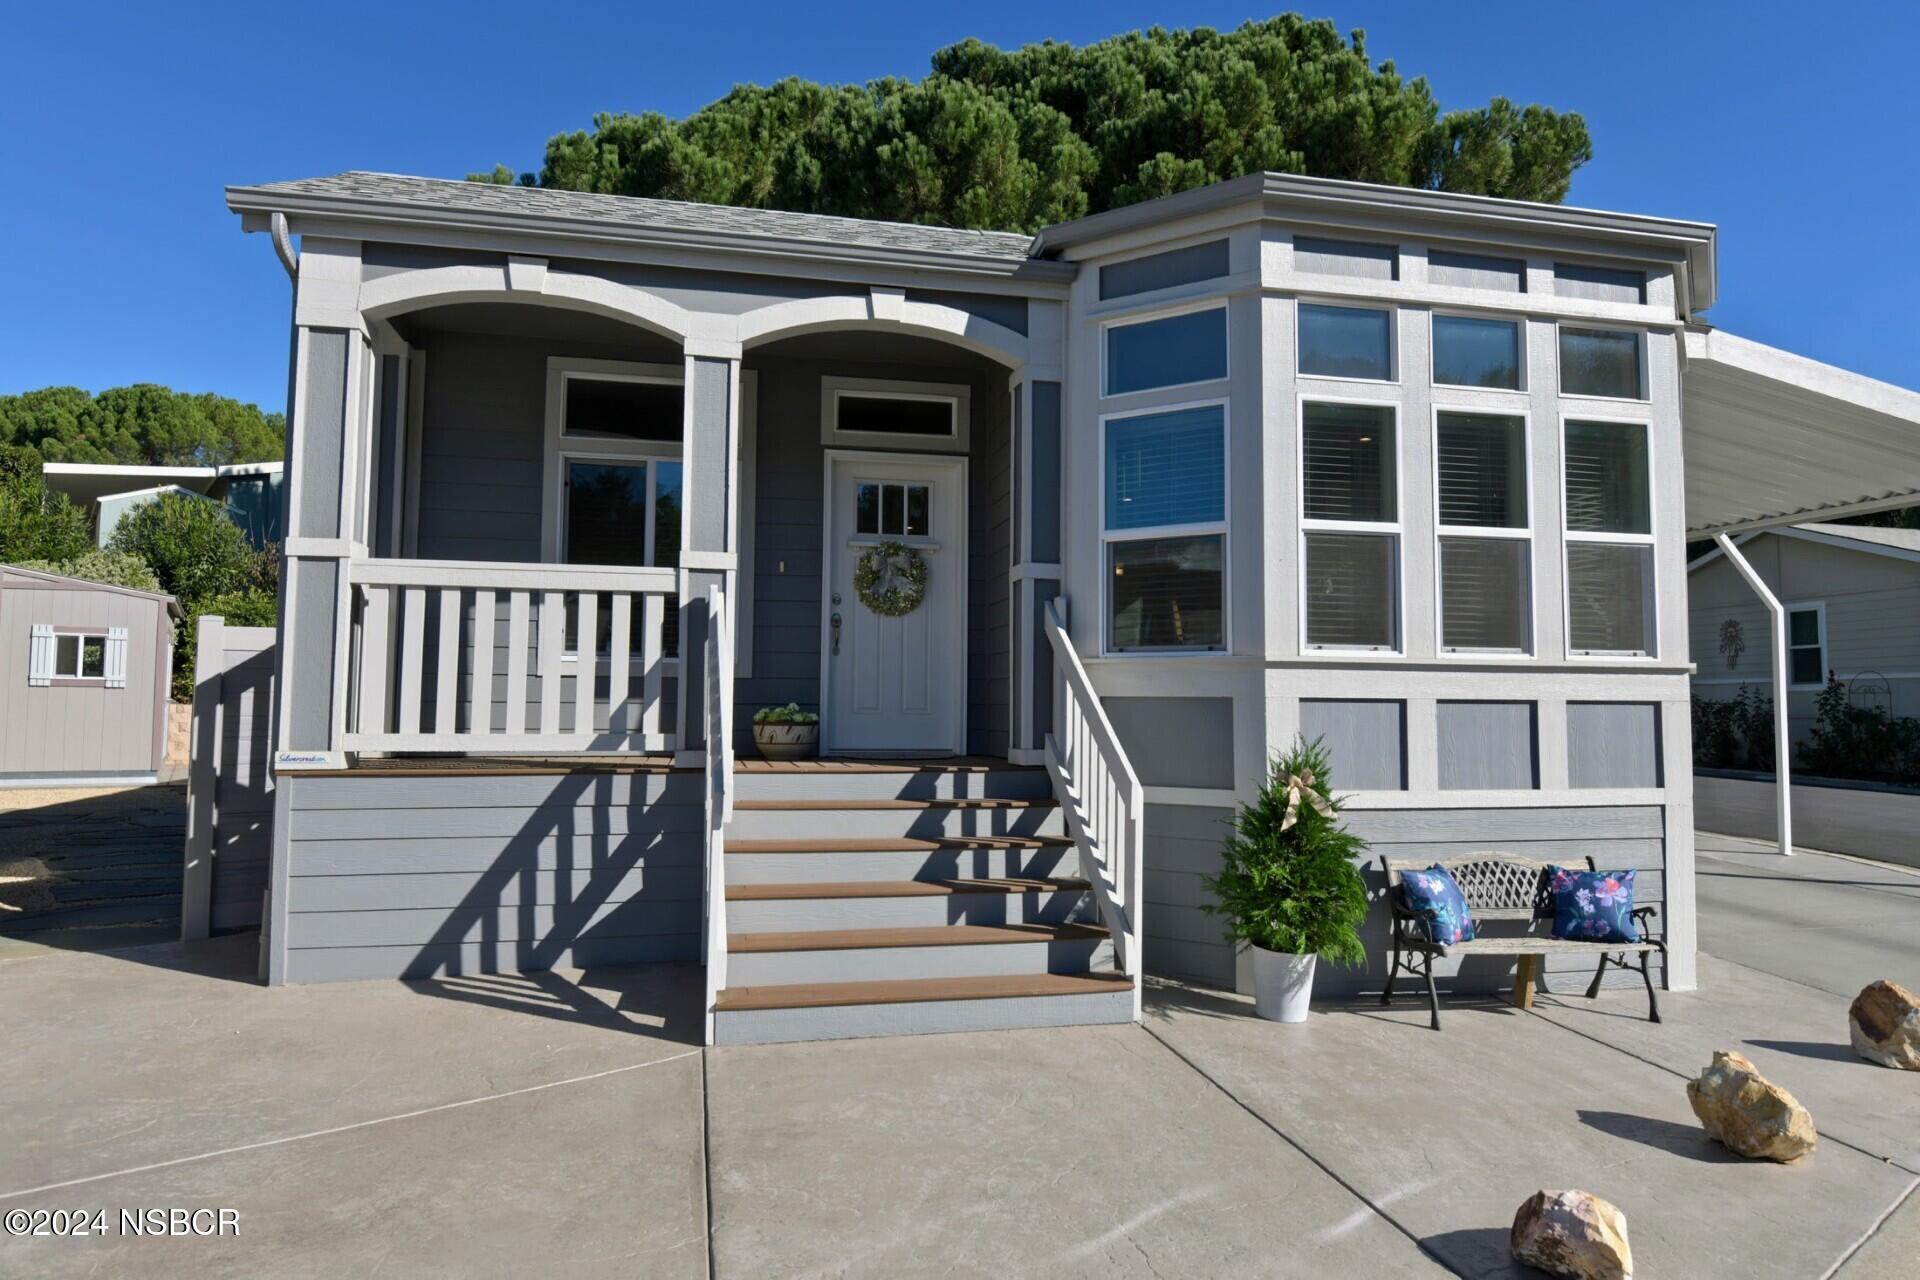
<point x="1350" y="590"/>
<point x="1610" y="597"/>
<point x="1471" y="352"/>
<point x="618" y="408"/>
<point x="1346" y="342"/>
<point x="1166" y="469"/>
<point x="1349" y="462"/>
<point x="893" y="508"/>
<point x="1165" y="593"/>
<point x="866" y="508"/>
<point x="1483" y="470"/>
<point x="1600" y="362"/>
<point x="1607" y="478"/>
<point x="917" y="504"/>
<point x="1168" y="352"/>
<point x="1484" y="601"/>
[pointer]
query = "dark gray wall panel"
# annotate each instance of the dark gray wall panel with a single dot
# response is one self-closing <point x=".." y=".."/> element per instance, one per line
<point x="1600" y="284"/>
<point x="1476" y="271"/>
<point x="1487" y="746"/>
<point x="1350" y="258"/>
<point x="1176" y="742"/>
<point x="310" y="640"/>
<point x="1613" y="744"/>
<point x="320" y="432"/>
<point x="1182" y="940"/>
<point x="1366" y="741"/>
<point x="1046" y="472"/>
<point x="1164" y="270"/>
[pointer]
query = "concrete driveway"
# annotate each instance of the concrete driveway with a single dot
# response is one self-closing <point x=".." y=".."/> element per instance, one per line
<point x="568" y="1124"/>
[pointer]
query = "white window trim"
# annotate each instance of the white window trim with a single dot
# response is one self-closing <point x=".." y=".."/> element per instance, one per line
<point x="1347" y="304"/>
<point x="1396" y="529"/>
<point x="1206" y="528"/>
<point x="958" y="396"/>
<point x="1818" y="608"/>
<point x="1520" y="534"/>
<point x="1600" y="326"/>
<point x="1519" y="323"/>
<point x="1149" y="316"/>
<point x="105" y="635"/>
<point x="1650" y="540"/>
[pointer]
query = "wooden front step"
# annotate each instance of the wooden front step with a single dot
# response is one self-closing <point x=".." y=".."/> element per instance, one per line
<point x="902" y="888"/>
<point x="895" y="844"/>
<point x="819" y="995"/>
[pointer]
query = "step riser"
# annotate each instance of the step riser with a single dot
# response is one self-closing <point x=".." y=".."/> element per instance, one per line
<point x="784" y="914"/>
<point x="997" y="784"/>
<point x="863" y="964"/>
<point x="776" y="1026"/>
<point x="849" y="867"/>
<point x="922" y="824"/>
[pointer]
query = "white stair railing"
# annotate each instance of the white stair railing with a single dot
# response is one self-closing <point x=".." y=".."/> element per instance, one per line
<point x="1100" y="795"/>
<point x="719" y="799"/>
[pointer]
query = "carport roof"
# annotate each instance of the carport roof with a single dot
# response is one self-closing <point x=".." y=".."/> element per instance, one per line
<point x="1773" y="438"/>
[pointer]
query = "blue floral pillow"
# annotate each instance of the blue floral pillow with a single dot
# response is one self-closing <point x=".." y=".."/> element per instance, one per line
<point x="1593" y="906"/>
<point x="1434" y="895"/>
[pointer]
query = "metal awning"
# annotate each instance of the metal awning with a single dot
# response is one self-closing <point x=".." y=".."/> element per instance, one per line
<point x="1773" y="438"/>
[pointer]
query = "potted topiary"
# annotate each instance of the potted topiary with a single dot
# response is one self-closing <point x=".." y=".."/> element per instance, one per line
<point x="785" y="733"/>
<point x="1288" y="883"/>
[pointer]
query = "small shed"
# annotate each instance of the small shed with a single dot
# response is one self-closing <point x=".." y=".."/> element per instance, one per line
<point x="84" y="675"/>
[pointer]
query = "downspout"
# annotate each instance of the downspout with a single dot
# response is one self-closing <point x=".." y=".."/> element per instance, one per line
<point x="283" y="246"/>
<point x="1782" y="733"/>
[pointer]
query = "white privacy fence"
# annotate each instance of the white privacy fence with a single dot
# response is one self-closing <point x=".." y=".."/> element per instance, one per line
<point x="229" y="779"/>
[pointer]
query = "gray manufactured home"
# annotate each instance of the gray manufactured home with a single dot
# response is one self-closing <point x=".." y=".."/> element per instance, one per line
<point x="577" y="482"/>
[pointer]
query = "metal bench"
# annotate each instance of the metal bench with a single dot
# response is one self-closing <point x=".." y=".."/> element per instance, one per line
<point x="1504" y="886"/>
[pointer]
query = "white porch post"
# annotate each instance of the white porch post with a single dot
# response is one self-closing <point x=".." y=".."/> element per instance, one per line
<point x="1782" y="730"/>
<point x="1038" y="506"/>
<point x="710" y="497"/>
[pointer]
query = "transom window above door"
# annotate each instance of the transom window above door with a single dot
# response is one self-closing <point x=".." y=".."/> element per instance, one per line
<point x="880" y="413"/>
<point x="894" y="510"/>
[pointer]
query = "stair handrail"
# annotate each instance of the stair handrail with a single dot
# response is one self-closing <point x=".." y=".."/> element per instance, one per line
<point x="719" y="792"/>
<point x="1101" y="796"/>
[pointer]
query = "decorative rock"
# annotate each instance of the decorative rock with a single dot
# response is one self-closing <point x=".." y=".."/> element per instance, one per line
<point x="1884" y="1021"/>
<point x="1748" y="1113"/>
<point x="1572" y="1233"/>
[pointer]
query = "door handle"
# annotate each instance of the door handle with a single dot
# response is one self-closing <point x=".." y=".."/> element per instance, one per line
<point x="834" y="622"/>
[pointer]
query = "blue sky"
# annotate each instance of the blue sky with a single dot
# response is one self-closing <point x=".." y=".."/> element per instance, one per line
<point x="1790" y="126"/>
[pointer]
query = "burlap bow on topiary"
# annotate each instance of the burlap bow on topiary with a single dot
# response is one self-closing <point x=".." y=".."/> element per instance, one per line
<point x="1301" y="786"/>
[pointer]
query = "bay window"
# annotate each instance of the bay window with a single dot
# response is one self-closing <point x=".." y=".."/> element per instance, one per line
<point x="1469" y="351"/>
<point x="1346" y="342"/>
<point x="1609" y="528"/>
<point x="1486" y="539"/>
<point x="1351" y="527"/>
<point x="1164" y="526"/>
<point x="1601" y="362"/>
<point x="1165" y="351"/>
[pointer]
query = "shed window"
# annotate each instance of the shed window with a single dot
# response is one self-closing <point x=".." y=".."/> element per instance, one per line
<point x="1609" y="527"/>
<point x="80" y="657"/>
<point x="77" y="655"/>
<point x="1165" y="526"/>
<point x="1351" y="533"/>
<point x="1171" y="351"/>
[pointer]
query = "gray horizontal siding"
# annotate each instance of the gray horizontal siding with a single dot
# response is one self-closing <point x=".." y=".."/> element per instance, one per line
<point x="1182" y="941"/>
<point x="1176" y="742"/>
<point x="1476" y="271"/>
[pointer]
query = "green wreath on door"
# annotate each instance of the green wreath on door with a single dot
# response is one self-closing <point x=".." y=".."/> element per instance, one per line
<point x="891" y="579"/>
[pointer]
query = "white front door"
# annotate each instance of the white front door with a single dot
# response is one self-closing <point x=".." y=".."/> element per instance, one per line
<point x="895" y="685"/>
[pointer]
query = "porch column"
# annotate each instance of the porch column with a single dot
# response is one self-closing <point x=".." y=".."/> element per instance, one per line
<point x="709" y="494"/>
<point x="329" y="418"/>
<point x="1037" y="500"/>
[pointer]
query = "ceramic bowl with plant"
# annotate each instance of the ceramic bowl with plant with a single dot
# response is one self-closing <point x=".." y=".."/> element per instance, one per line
<point x="786" y="733"/>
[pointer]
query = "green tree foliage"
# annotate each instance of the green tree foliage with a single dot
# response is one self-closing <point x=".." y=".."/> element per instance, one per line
<point x="140" y="424"/>
<point x="36" y="524"/>
<point x="1293" y="889"/>
<point x="252" y="606"/>
<point x="1017" y="139"/>
<point x="190" y="545"/>
<point x="115" y="568"/>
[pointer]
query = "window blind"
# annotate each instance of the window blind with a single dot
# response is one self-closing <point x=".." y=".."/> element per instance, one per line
<point x="1350" y="590"/>
<point x="1610" y="597"/>
<point x="1348" y="462"/>
<point x="1483" y="470"/>
<point x="1484" y="601"/>
<point x="1607" y="478"/>
<point x="1166" y="469"/>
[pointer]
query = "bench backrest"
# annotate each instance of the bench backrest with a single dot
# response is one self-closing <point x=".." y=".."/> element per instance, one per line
<point x="1497" y="886"/>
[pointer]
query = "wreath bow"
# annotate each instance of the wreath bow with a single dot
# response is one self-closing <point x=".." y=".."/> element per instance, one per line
<point x="1301" y="786"/>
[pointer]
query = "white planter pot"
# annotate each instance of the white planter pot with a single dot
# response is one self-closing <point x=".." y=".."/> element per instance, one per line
<point x="786" y="741"/>
<point x="1282" y="985"/>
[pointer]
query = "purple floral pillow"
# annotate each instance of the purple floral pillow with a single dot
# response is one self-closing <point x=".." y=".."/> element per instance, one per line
<point x="1434" y="895"/>
<point x="1593" y="906"/>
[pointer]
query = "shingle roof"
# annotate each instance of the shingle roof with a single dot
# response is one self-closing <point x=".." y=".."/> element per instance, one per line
<point x="635" y="212"/>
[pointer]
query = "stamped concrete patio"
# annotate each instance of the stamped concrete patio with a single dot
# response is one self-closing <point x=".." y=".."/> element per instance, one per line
<point x="502" y="1125"/>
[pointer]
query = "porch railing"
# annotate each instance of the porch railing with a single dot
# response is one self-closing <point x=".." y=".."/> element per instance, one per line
<point x="719" y="801"/>
<point x="1101" y="796"/>
<point x="450" y="655"/>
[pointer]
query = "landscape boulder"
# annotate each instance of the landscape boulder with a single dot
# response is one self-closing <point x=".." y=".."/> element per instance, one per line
<point x="1884" y="1021"/>
<point x="1572" y="1233"/>
<point x="1749" y="1114"/>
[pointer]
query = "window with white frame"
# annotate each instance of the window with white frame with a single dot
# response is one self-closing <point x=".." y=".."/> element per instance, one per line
<point x="1346" y="342"/>
<point x="1165" y="351"/>
<point x="80" y="656"/>
<point x="1610" y="553"/>
<point x="1601" y="362"/>
<point x="1807" y="645"/>
<point x="614" y="444"/>
<point x="1486" y="535"/>
<point x="1474" y="351"/>
<point x="1350" y="489"/>
<point x="879" y="413"/>
<point x="1164" y="507"/>
<point x="77" y="655"/>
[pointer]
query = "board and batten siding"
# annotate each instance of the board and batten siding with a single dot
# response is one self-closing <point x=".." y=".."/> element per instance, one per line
<point x="86" y="730"/>
<point x="416" y="876"/>
<point x="230" y="782"/>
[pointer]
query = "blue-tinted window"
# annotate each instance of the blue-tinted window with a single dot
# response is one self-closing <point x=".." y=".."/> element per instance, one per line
<point x="1469" y="352"/>
<point x="1167" y="469"/>
<point x="1167" y="353"/>
<point x="1346" y="342"/>
<point x="1600" y="362"/>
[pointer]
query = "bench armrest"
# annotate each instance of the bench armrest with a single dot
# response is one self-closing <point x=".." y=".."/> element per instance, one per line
<point x="1641" y="916"/>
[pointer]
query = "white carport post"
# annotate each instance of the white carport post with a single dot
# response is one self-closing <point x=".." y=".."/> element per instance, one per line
<point x="1782" y="731"/>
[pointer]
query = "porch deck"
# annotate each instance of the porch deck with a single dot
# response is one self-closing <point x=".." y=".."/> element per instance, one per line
<point x="482" y="766"/>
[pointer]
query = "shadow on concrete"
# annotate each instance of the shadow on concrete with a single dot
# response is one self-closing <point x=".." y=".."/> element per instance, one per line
<point x="1476" y="1251"/>
<point x="1825" y="1051"/>
<point x="1686" y="1141"/>
<point x="93" y="870"/>
<point x="661" y="1001"/>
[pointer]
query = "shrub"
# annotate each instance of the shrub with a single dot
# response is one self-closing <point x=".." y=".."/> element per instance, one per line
<point x="36" y="524"/>
<point x="1866" y="743"/>
<point x="789" y="714"/>
<point x="192" y="547"/>
<point x="1734" y="733"/>
<point x="115" y="568"/>
<point x="249" y="608"/>
<point x="1294" y="889"/>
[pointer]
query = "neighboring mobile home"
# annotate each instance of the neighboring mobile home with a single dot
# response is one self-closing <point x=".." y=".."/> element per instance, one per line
<point x="249" y="492"/>
<point x="84" y="676"/>
<point x="577" y="482"/>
